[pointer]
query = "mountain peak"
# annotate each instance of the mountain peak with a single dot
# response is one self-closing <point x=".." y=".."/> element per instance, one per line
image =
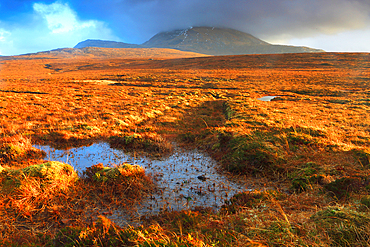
<point x="219" y="41"/>
<point x="203" y="36"/>
<point x="206" y="40"/>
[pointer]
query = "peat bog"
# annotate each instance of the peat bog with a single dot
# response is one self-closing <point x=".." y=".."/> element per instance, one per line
<point x="306" y="154"/>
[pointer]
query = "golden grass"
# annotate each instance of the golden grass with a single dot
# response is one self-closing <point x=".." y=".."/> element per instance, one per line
<point x="311" y="145"/>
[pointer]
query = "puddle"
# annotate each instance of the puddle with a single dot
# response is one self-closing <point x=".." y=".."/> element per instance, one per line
<point x="186" y="179"/>
<point x="268" y="98"/>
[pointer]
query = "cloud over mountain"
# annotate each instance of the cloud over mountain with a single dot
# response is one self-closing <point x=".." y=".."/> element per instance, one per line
<point x="281" y="19"/>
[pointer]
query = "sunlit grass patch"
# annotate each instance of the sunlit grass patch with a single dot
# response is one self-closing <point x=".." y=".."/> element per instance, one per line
<point x="53" y="191"/>
<point x="33" y="186"/>
<point x="18" y="149"/>
<point x="11" y="152"/>
<point x="50" y="175"/>
<point x="105" y="233"/>
<point x="198" y="227"/>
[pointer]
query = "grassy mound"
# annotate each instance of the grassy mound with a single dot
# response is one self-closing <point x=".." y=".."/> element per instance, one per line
<point x="114" y="184"/>
<point x="49" y="174"/>
<point x="30" y="188"/>
<point x="111" y="175"/>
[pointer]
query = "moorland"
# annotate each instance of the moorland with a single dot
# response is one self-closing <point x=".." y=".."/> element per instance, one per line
<point x="307" y="152"/>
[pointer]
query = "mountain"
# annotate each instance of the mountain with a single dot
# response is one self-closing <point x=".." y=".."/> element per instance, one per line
<point x="206" y="40"/>
<point x="105" y="44"/>
<point x="219" y="41"/>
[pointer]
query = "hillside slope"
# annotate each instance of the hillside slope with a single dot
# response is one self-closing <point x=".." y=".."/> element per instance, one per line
<point x="106" y="53"/>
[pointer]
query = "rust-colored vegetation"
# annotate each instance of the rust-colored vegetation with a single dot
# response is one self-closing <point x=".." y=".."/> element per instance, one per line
<point x="308" y="150"/>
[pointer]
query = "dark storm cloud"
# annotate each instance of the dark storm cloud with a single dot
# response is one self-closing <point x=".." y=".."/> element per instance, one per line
<point x="47" y="24"/>
<point x="138" y="20"/>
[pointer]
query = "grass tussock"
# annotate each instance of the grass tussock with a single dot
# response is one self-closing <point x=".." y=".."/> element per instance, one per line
<point x="18" y="150"/>
<point x="30" y="188"/>
<point x="121" y="185"/>
<point x="53" y="196"/>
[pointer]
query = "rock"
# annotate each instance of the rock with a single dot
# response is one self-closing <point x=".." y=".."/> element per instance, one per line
<point x="202" y="178"/>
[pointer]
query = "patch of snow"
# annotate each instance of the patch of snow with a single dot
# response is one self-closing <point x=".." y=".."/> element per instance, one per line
<point x="185" y="33"/>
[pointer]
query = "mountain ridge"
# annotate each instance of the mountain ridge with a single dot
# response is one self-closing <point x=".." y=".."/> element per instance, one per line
<point x="206" y="40"/>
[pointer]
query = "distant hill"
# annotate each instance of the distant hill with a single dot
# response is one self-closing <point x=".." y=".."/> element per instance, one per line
<point x="105" y="44"/>
<point x="206" y="40"/>
<point x="100" y="52"/>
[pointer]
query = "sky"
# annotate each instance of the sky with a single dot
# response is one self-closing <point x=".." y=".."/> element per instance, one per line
<point x="28" y="26"/>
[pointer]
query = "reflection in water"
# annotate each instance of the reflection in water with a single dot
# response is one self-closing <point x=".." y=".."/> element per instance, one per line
<point x="186" y="179"/>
